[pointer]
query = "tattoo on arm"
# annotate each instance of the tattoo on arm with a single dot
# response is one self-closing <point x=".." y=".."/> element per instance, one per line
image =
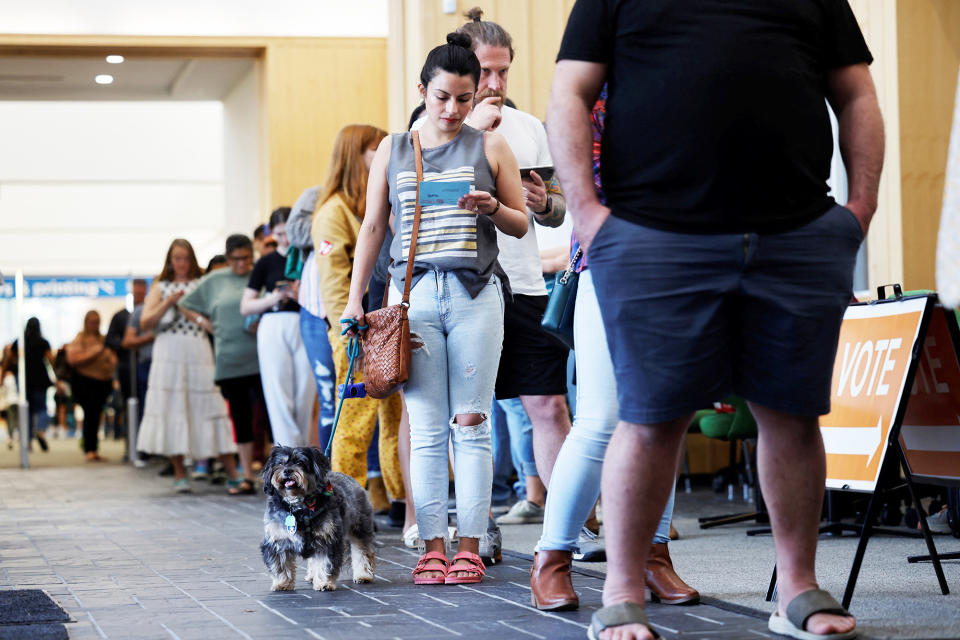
<point x="553" y="217"/>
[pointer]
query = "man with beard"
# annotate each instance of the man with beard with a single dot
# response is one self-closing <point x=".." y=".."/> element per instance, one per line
<point x="532" y="379"/>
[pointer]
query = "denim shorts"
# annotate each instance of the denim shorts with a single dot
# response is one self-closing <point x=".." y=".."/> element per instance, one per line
<point x="692" y="318"/>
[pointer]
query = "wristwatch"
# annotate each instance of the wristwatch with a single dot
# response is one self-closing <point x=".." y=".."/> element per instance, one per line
<point x="547" y="208"/>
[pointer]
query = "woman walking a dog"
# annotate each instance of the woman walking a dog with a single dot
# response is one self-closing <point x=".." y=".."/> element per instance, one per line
<point x="456" y="298"/>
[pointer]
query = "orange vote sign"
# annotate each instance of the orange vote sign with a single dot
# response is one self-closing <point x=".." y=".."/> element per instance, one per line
<point x="869" y="378"/>
<point x="930" y="435"/>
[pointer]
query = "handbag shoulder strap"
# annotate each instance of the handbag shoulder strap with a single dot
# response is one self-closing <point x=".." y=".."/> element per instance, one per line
<point x="418" y="159"/>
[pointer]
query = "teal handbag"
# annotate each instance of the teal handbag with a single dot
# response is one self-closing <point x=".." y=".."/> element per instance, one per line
<point x="558" y="318"/>
<point x="294" y="266"/>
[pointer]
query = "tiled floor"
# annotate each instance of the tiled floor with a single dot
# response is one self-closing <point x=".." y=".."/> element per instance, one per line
<point x="127" y="558"/>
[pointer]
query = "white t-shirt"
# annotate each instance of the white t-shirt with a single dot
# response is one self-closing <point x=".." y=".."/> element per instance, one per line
<point x="520" y="257"/>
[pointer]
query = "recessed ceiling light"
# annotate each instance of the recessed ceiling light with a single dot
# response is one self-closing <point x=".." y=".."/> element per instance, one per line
<point x="114" y="59"/>
<point x="103" y="78"/>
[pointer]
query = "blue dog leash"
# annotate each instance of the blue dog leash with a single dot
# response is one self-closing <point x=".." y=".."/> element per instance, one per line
<point x="348" y="388"/>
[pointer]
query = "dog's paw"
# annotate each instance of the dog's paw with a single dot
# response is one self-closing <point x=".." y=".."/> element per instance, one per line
<point x="320" y="585"/>
<point x="309" y="578"/>
<point x="282" y="586"/>
<point x="363" y="578"/>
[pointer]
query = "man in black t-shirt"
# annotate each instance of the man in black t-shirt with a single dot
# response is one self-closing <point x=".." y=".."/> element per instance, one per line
<point x="720" y="261"/>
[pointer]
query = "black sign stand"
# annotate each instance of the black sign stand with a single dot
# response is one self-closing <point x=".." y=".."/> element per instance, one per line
<point x="898" y="458"/>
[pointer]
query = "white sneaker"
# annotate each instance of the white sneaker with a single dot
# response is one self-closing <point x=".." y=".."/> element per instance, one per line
<point x="523" y="512"/>
<point x="411" y="537"/>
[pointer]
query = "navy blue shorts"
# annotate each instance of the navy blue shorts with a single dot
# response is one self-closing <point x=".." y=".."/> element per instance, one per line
<point x="692" y="318"/>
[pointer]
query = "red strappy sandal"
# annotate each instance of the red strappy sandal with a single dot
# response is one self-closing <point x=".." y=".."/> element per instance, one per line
<point x="477" y="570"/>
<point x="422" y="567"/>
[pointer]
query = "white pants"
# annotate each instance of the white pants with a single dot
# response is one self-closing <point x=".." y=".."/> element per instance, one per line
<point x="287" y="379"/>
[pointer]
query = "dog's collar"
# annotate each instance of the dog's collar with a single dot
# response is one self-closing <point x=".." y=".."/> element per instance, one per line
<point x="312" y="506"/>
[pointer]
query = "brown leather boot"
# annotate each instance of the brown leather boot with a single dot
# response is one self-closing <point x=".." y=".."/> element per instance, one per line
<point x="664" y="583"/>
<point x="551" y="588"/>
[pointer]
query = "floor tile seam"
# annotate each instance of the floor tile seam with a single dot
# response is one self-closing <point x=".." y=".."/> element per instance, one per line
<point x="197" y="601"/>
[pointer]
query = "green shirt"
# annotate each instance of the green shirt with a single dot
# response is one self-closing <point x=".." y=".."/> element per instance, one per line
<point x="217" y="297"/>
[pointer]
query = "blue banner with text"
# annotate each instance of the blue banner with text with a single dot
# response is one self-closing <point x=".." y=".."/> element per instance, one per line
<point x="68" y="287"/>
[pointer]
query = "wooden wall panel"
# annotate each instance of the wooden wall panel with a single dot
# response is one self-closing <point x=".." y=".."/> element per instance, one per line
<point x="929" y="55"/>
<point x="312" y="88"/>
<point x="878" y="21"/>
<point x="535" y="25"/>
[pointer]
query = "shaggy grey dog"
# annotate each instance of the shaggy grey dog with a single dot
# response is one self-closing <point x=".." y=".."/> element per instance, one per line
<point x="314" y="513"/>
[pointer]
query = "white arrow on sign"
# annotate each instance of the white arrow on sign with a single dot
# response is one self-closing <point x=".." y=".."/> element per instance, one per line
<point x="939" y="438"/>
<point x="853" y="441"/>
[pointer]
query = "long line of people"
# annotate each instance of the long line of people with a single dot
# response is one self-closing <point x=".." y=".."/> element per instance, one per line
<point x="468" y="268"/>
<point x="477" y="299"/>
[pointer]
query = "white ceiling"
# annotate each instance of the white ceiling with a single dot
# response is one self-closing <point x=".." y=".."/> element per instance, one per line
<point x="276" y="18"/>
<point x="137" y="78"/>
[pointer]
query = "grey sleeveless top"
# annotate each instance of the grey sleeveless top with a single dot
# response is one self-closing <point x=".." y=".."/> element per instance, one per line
<point x="450" y="239"/>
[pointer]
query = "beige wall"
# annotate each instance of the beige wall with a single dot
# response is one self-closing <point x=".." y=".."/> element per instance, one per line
<point x="416" y="26"/>
<point x="878" y="21"/>
<point x="312" y="88"/>
<point x="929" y="55"/>
<point x="916" y="46"/>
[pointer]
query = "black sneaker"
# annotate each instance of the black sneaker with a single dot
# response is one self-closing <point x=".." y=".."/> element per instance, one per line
<point x="398" y="511"/>
<point x="590" y="548"/>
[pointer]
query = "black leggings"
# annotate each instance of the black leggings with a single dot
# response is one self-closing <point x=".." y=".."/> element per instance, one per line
<point x="91" y="394"/>
<point x="243" y="394"/>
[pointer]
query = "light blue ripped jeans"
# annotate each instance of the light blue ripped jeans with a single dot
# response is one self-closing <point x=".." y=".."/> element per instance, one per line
<point x="520" y="430"/>
<point x="452" y="373"/>
<point x="575" y="483"/>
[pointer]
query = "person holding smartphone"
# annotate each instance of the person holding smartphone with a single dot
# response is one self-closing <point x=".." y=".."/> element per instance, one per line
<point x="457" y="289"/>
<point x="184" y="414"/>
<point x="288" y="384"/>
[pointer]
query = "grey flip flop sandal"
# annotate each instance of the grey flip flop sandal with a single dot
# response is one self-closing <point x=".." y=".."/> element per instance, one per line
<point x="617" y="615"/>
<point x="799" y="611"/>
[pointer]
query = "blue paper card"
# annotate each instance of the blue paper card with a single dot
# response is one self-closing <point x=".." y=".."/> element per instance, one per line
<point x="442" y="193"/>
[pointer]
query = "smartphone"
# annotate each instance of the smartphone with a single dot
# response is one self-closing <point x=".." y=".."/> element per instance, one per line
<point x="545" y="173"/>
<point x="282" y="285"/>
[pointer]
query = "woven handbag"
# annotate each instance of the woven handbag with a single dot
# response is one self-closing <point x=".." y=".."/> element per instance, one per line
<point x="386" y="342"/>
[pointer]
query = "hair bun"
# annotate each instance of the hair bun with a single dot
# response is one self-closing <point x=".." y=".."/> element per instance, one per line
<point x="459" y="39"/>
<point x="474" y="15"/>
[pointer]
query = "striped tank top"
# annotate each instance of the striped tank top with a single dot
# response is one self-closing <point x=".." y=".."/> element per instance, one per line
<point x="450" y="239"/>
